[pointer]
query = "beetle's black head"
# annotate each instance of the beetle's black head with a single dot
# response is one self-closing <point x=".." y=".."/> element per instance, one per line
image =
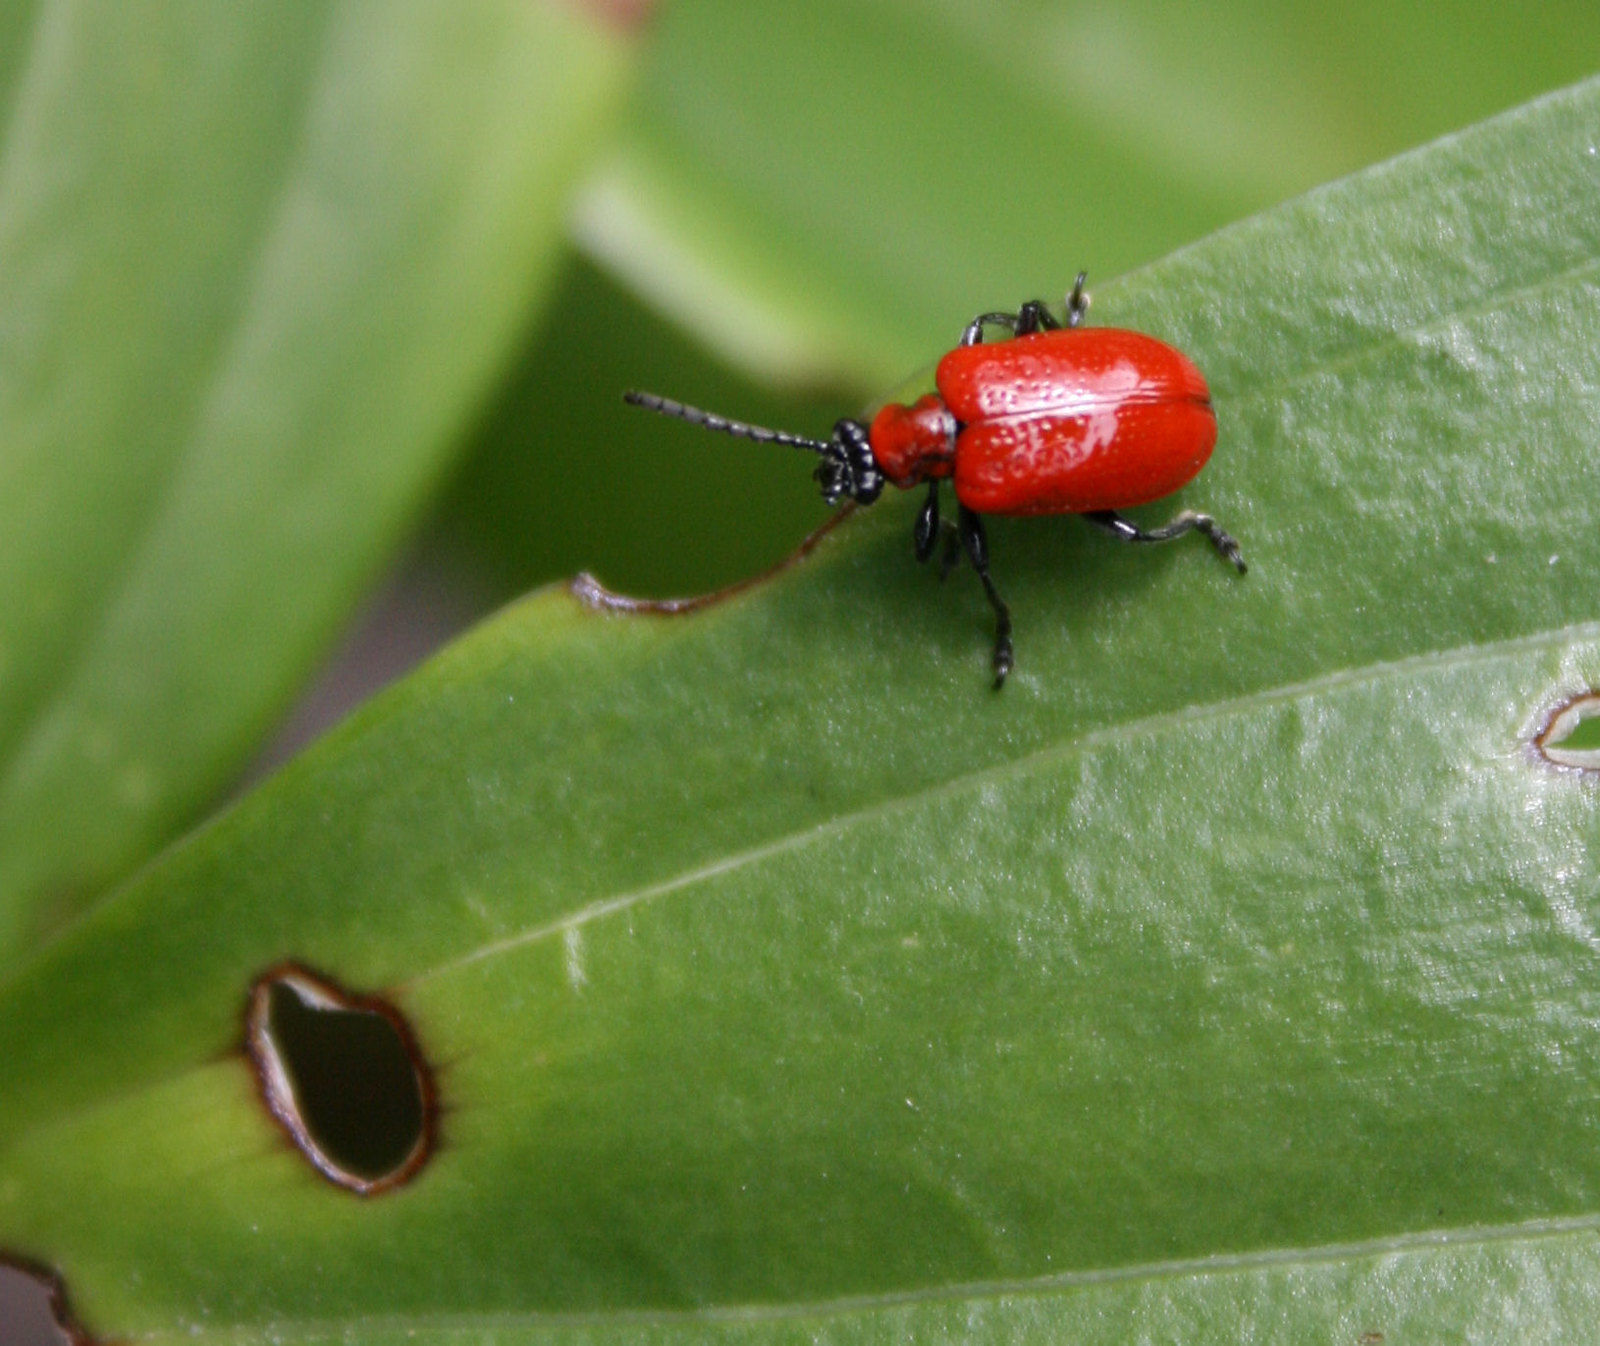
<point x="848" y="467"/>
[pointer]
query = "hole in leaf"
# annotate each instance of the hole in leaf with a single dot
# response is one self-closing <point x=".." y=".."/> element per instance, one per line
<point x="344" y="1077"/>
<point x="33" y="1307"/>
<point x="1571" y="736"/>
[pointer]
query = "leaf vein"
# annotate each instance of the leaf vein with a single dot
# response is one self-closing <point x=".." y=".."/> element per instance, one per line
<point x="604" y="907"/>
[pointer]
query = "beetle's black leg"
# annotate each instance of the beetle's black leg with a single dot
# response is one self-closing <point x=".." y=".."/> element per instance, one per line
<point x="925" y="535"/>
<point x="1186" y="522"/>
<point x="977" y="545"/>
<point x="1035" y="317"/>
<point x="1032" y="317"/>
<point x="927" y="525"/>
<point x="974" y="332"/>
<point x="1077" y="302"/>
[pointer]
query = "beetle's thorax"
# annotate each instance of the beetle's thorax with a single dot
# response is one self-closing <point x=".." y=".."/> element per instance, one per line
<point x="916" y="443"/>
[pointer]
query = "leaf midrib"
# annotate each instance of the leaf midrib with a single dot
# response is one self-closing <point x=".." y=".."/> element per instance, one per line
<point x="1087" y="741"/>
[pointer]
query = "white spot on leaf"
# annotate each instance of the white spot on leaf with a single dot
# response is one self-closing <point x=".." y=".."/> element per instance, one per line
<point x="576" y="977"/>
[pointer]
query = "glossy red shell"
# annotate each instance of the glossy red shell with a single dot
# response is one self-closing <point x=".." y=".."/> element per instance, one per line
<point x="1059" y="422"/>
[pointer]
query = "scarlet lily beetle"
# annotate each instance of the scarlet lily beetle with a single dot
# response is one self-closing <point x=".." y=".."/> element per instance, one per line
<point x="1056" y="420"/>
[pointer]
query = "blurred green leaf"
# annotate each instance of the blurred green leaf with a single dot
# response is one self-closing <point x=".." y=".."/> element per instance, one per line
<point x="829" y="188"/>
<point x="568" y="477"/>
<point x="1235" y="967"/>
<point x="257" y="263"/>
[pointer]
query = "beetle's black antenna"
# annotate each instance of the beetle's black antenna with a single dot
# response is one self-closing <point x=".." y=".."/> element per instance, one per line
<point x="711" y="421"/>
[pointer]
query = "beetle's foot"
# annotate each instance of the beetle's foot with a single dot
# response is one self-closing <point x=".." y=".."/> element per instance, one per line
<point x="1002" y="660"/>
<point x="1078" y="301"/>
<point x="1226" y="544"/>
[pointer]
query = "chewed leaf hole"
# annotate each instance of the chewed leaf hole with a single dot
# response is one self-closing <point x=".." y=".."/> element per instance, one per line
<point x="33" y="1308"/>
<point x="344" y="1077"/>
<point x="1571" y="736"/>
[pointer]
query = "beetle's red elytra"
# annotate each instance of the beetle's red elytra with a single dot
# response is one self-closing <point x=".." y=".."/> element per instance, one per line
<point x="1067" y="421"/>
<point x="1055" y="420"/>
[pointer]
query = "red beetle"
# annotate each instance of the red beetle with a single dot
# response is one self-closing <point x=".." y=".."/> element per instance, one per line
<point x="1057" y="420"/>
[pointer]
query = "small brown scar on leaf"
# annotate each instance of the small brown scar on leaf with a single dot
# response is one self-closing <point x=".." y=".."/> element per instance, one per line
<point x="34" y="1307"/>
<point x="1369" y="1339"/>
<point x="597" y="598"/>
<point x="354" y="1092"/>
<point x="1553" y="741"/>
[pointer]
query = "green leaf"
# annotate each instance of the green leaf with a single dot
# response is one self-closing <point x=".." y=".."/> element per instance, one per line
<point x="1234" y="967"/>
<point x="257" y="263"/>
